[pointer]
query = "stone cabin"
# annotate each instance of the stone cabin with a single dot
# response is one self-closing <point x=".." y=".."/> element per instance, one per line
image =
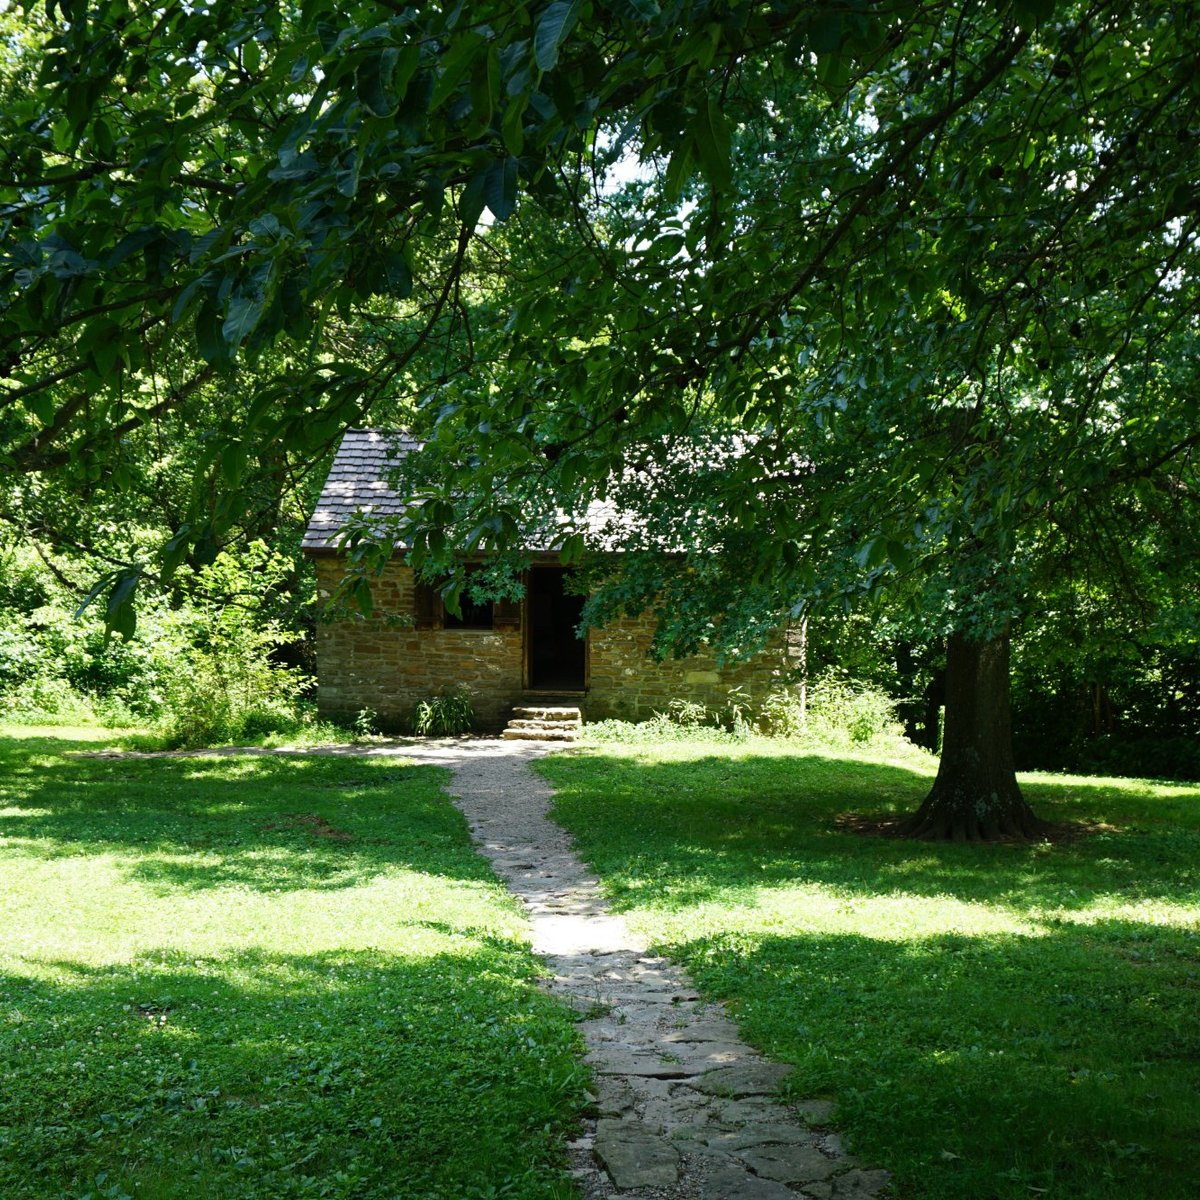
<point x="507" y="653"/>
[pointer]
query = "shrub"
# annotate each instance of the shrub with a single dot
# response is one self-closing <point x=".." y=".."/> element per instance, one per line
<point x="658" y="729"/>
<point x="735" y="716"/>
<point x="687" y="714"/>
<point x="221" y="684"/>
<point x="448" y="714"/>
<point x="47" y="699"/>
<point x="20" y="658"/>
<point x="1141" y="757"/>
<point x="843" y="711"/>
<point x="782" y="715"/>
<point x="365" y="723"/>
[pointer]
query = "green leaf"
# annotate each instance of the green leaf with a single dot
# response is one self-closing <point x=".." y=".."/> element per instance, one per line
<point x="872" y="552"/>
<point x="833" y="70"/>
<point x="458" y="59"/>
<point x="473" y="200"/>
<point x="131" y="244"/>
<point x="485" y="90"/>
<point x="500" y="188"/>
<point x="665" y="248"/>
<point x="679" y="170"/>
<point x="266" y="226"/>
<point x="175" y="548"/>
<point x="120" y="616"/>
<point x="363" y="597"/>
<point x="512" y="127"/>
<point x="712" y="144"/>
<point x="99" y="586"/>
<point x="347" y="180"/>
<point x="553" y="28"/>
<point x="43" y="406"/>
<point x="233" y="459"/>
<point x="374" y="80"/>
<point x="397" y="275"/>
<point x="899" y="555"/>
<point x="1034" y="12"/>
<point x="106" y="347"/>
<point x="244" y="313"/>
<point x="826" y="34"/>
<point x="572" y="549"/>
<point x="210" y="341"/>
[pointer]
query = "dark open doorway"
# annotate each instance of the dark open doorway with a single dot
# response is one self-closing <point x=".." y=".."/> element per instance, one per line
<point x="557" y="654"/>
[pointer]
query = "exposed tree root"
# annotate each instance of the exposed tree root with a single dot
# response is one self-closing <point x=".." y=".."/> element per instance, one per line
<point x="1019" y="825"/>
<point x="927" y="831"/>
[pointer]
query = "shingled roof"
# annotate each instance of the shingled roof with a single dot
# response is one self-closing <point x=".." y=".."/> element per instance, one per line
<point x="357" y="482"/>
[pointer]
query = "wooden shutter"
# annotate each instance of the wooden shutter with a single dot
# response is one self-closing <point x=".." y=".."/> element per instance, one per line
<point x="426" y="606"/>
<point x="506" y="614"/>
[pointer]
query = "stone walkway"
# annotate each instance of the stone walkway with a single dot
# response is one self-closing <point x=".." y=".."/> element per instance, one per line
<point x="684" y="1109"/>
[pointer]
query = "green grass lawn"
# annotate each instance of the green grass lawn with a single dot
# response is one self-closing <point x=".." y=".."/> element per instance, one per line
<point x="264" y="977"/>
<point x="1007" y="1021"/>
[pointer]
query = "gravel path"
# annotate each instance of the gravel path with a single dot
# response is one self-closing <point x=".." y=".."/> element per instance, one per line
<point x="684" y="1109"/>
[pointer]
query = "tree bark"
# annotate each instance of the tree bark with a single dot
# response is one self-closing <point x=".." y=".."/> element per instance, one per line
<point x="975" y="796"/>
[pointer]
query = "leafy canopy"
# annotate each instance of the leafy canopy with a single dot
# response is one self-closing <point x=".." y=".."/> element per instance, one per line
<point x="942" y="252"/>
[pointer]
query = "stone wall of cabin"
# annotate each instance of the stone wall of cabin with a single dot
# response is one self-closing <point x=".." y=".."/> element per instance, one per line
<point x="625" y="682"/>
<point x="385" y="664"/>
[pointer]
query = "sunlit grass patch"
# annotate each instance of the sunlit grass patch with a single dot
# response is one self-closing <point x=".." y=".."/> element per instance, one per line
<point x="267" y="977"/>
<point x="1004" y="1021"/>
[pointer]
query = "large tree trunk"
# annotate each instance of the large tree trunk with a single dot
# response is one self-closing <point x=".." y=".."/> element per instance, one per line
<point x="975" y="796"/>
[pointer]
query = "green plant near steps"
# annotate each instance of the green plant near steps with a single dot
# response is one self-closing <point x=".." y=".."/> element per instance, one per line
<point x="449" y="713"/>
<point x="365" y="723"/>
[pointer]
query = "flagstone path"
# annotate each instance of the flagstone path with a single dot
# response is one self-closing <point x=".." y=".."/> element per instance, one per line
<point x="684" y="1109"/>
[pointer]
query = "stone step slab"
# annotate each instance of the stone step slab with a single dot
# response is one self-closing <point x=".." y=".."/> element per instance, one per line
<point x="746" y="1079"/>
<point x="789" y="1164"/>
<point x="530" y="723"/>
<point x="528" y="735"/>
<point x="729" y="1184"/>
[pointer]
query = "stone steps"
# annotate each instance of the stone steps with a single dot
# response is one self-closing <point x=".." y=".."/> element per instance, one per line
<point x="544" y="723"/>
<point x="549" y="712"/>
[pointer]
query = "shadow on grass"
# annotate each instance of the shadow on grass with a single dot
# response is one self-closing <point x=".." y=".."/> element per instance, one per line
<point x="268" y="1075"/>
<point x="677" y="833"/>
<point x="987" y="1066"/>
<point x="262" y="822"/>
<point x="992" y="1021"/>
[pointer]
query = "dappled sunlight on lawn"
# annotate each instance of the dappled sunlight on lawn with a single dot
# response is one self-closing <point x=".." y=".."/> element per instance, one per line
<point x="264" y="977"/>
<point x="992" y="1021"/>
